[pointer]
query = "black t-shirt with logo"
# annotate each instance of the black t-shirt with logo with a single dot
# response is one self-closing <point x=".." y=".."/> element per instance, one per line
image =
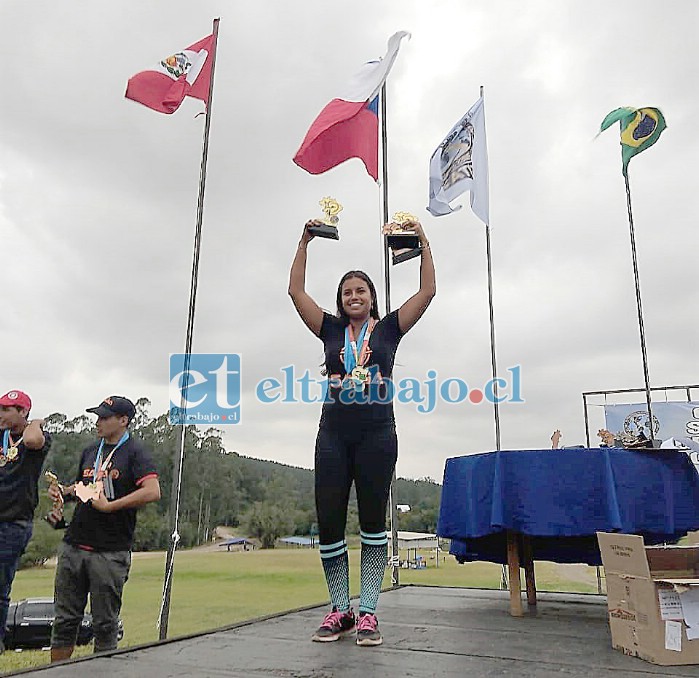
<point x="341" y="409"/>
<point x="129" y="466"/>
<point x="19" y="478"/>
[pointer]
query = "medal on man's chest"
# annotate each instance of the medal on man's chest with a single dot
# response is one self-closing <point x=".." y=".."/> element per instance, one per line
<point x="3" y="459"/>
<point x="12" y="453"/>
<point x="88" y="492"/>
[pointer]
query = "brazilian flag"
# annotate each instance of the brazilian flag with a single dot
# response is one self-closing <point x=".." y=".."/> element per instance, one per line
<point x="640" y="129"/>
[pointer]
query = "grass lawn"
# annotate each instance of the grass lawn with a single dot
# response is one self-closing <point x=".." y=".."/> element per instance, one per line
<point x="213" y="589"/>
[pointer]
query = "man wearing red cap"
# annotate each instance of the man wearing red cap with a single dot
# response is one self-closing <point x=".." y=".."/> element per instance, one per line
<point x="115" y="477"/>
<point x="23" y="448"/>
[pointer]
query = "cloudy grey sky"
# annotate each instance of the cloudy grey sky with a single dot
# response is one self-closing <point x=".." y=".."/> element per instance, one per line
<point x="98" y="201"/>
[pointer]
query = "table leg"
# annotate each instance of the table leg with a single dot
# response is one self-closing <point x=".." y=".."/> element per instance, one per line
<point x="515" y="583"/>
<point x="529" y="569"/>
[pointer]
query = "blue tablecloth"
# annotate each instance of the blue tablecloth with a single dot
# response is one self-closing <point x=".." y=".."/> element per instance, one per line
<point x="562" y="497"/>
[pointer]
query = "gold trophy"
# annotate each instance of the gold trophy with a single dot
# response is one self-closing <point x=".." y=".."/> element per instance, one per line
<point x="57" y="507"/>
<point x="401" y="238"/>
<point x="328" y="229"/>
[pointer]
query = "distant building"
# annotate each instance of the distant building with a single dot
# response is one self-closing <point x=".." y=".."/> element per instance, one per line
<point x="238" y="544"/>
<point x="307" y="542"/>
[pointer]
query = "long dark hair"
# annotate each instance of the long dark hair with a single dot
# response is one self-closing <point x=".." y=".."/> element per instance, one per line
<point x="374" y="312"/>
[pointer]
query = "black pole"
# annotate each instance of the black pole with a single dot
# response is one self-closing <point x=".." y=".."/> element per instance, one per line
<point x="638" y="304"/>
<point x="395" y="553"/>
<point x="178" y="457"/>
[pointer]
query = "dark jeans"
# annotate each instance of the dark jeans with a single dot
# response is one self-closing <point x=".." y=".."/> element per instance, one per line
<point x="14" y="538"/>
<point x="102" y="575"/>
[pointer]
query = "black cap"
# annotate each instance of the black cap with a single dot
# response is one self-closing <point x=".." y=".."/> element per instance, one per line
<point x="114" y="406"/>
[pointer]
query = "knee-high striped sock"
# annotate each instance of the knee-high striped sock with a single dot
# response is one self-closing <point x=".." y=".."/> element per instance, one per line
<point x="336" y="568"/>
<point x="374" y="554"/>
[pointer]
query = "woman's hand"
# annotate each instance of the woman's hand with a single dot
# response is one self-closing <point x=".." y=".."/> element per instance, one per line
<point x="417" y="227"/>
<point x="307" y="236"/>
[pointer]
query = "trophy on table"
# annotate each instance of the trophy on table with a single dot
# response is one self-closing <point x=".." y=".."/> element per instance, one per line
<point x="402" y="239"/>
<point x="328" y="229"/>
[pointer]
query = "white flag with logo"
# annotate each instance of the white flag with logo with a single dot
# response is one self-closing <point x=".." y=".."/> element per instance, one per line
<point x="460" y="164"/>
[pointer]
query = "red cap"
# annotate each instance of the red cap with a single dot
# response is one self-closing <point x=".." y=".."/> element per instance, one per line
<point x="16" y="399"/>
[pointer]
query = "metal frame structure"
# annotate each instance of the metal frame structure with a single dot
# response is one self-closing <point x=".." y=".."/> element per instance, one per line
<point x="687" y="388"/>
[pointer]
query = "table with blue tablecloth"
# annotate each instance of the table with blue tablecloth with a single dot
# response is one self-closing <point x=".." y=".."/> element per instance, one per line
<point x="524" y="505"/>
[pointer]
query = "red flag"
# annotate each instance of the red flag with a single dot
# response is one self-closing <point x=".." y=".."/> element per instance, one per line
<point x="183" y="74"/>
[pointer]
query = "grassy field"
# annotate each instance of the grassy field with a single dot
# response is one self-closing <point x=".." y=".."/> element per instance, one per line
<point x="213" y="589"/>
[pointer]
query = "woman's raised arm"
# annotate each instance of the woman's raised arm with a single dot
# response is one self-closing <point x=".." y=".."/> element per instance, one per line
<point x="411" y="311"/>
<point x="310" y="312"/>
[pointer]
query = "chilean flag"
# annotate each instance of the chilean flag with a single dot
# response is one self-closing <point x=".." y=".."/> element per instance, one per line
<point x="183" y="74"/>
<point x="348" y="127"/>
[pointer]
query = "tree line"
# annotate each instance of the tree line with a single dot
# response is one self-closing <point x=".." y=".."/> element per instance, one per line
<point x="262" y="499"/>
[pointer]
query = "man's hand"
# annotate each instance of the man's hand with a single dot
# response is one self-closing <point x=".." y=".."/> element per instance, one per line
<point x="101" y="504"/>
<point x="55" y="494"/>
<point x="55" y="518"/>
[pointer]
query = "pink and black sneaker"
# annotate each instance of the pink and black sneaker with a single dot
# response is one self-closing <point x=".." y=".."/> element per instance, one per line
<point x="368" y="630"/>
<point x="335" y="626"/>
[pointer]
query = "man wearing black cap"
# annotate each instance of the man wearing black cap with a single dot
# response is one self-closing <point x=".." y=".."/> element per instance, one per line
<point x="23" y="448"/>
<point x="116" y="476"/>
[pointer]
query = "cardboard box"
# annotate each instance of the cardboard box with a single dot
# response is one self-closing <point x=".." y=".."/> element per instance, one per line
<point x="653" y="598"/>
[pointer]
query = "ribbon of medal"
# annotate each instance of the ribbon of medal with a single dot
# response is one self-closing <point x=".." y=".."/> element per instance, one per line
<point x="359" y="374"/>
<point x="10" y="448"/>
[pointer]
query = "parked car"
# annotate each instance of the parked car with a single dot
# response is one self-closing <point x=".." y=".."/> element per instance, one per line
<point x="29" y="623"/>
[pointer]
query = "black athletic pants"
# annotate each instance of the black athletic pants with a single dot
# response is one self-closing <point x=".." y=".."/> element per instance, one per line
<point x="366" y="456"/>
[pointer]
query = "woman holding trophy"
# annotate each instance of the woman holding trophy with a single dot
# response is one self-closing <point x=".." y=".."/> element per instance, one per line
<point x="357" y="436"/>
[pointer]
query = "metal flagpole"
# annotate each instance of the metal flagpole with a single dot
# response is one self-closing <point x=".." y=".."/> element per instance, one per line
<point x="493" y="360"/>
<point x="178" y="457"/>
<point x="492" y="340"/>
<point x="395" y="553"/>
<point x="638" y="304"/>
<point x="492" y="332"/>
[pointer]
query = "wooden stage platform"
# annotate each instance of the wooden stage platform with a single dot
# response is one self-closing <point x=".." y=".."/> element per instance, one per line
<point x="428" y="632"/>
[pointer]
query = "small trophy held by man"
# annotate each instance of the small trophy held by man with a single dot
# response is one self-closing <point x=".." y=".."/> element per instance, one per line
<point x="327" y="227"/>
<point x="402" y="238"/>
<point x="55" y="516"/>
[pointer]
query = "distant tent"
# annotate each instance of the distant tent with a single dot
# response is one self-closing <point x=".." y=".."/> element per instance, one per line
<point x="412" y="541"/>
<point x="416" y="540"/>
<point x="308" y="542"/>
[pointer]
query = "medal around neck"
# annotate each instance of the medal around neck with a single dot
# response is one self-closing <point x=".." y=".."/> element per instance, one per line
<point x="402" y="238"/>
<point x="360" y="378"/>
<point x="88" y="492"/>
<point x="328" y="229"/>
